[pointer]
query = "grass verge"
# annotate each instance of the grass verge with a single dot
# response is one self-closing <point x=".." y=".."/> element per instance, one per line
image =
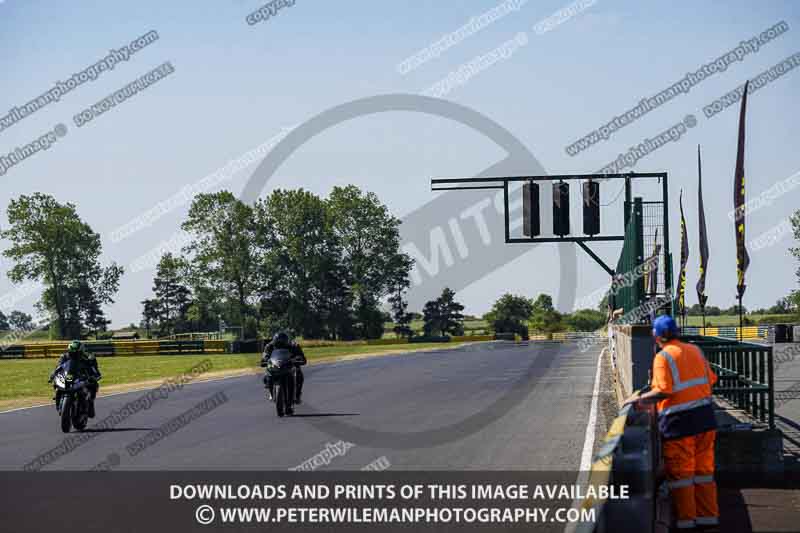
<point x="25" y="380"/>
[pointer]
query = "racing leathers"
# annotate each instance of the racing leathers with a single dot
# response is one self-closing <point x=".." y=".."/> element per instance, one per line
<point x="88" y="363"/>
<point x="299" y="359"/>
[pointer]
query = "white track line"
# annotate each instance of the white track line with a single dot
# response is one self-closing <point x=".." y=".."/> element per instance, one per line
<point x="591" y="426"/>
<point x="588" y="440"/>
<point x="140" y="389"/>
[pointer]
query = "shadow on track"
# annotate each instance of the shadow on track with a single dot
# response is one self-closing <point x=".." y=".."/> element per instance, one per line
<point x="111" y="430"/>
<point x="313" y="415"/>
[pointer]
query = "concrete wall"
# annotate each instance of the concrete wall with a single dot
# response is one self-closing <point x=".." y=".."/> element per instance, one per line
<point x="632" y="351"/>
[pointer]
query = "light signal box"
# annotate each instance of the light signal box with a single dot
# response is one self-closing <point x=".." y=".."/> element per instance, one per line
<point x="530" y="210"/>
<point x="561" y="208"/>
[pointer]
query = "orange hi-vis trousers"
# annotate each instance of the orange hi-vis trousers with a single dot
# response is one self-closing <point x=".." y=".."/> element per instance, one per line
<point x="689" y="466"/>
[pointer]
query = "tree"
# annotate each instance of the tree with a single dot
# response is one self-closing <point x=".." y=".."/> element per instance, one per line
<point x="510" y="314"/>
<point x="222" y="252"/>
<point x="369" y="237"/>
<point x="544" y="317"/>
<point x="304" y="279"/>
<point x="792" y="300"/>
<point x="399" y="282"/>
<point x="443" y="315"/>
<point x="782" y="307"/>
<point x="52" y="245"/>
<point x="603" y="305"/>
<point x="734" y="310"/>
<point x="92" y="311"/>
<point x="4" y="325"/>
<point x="585" y="320"/>
<point x="150" y="314"/>
<point x="20" y="321"/>
<point x="203" y="313"/>
<point x="694" y="310"/>
<point x="172" y="296"/>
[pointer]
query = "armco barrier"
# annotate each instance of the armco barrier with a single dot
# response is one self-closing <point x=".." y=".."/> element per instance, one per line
<point x="175" y="347"/>
<point x="579" y="335"/>
<point x="472" y="338"/>
<point x="443" y="338"/>
<point x="118" y="348"/>
<point x="386" y="342"/>
<point x="12" y="352"/>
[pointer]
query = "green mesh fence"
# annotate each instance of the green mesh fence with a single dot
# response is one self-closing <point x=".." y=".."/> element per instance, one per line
<point x="628" y="289"/>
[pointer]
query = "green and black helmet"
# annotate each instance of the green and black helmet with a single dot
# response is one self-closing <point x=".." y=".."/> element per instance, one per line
<point x="74" y="347"/>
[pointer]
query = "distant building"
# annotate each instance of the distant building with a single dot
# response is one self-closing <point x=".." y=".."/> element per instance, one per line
<point x="125" y="336"/>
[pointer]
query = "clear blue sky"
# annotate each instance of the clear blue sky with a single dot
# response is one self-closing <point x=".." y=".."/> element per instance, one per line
<point x="237" y="85"/>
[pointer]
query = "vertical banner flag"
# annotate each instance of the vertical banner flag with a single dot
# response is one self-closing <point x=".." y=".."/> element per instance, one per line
<point x="742" y="259"/>
<point x="652" y="274"/>
<point x="701" y="283"/>
<point x="684" y="260"/>
<point x="652" y="267"/>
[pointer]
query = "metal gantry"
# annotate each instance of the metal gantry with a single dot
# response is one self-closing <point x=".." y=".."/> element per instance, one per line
<point x="502" y="182"/>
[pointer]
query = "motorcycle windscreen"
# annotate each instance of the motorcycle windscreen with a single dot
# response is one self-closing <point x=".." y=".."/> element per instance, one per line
<point x="281" y="355"/>
<point x="70" y="368"/>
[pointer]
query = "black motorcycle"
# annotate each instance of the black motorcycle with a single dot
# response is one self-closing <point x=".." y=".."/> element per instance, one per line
<point x="71" y="383"/>
<point x="281" y="368"/>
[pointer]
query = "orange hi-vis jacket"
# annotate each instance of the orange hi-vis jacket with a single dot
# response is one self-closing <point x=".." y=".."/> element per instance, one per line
<point x="681" y="370"/>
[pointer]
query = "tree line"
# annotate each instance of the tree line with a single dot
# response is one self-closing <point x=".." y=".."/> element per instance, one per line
<point x="317" y="267"/>
<point x="52" y="245"/>
<point x="523" y="316"/>
<point x="16" y="320"/>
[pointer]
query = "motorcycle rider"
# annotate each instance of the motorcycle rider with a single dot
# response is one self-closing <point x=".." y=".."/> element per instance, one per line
<point x="77" y="351"/>
<point x="282" y="340"/>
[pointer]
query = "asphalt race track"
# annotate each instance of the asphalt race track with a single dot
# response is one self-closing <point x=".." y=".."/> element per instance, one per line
<point x="484" y="406"/>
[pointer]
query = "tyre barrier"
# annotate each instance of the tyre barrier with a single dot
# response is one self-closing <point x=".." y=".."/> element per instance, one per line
<point x="115" y="348"/>
<point x="730" y="332"/>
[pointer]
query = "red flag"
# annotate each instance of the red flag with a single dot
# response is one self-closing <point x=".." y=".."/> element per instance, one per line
<point x="651" y="281"/>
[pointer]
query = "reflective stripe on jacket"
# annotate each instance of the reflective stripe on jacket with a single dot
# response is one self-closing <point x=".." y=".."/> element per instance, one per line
<point x="682" y="371"/>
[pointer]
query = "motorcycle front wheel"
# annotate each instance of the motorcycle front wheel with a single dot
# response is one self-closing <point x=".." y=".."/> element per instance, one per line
<point x="80" y="416"/>
<point x="66" y="414"/>
<point x="280" y="400"/>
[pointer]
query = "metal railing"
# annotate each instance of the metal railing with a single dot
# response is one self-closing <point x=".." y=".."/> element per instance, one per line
<point x="746" y="374"/>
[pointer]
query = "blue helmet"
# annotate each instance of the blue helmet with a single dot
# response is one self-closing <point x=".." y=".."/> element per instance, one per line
<point x="665" y="326"/>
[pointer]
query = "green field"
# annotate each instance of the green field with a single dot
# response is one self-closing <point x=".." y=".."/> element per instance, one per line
<point x="471" y="327"/>
<point x="733" y="320"/>
<point x="27" y="378"/>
